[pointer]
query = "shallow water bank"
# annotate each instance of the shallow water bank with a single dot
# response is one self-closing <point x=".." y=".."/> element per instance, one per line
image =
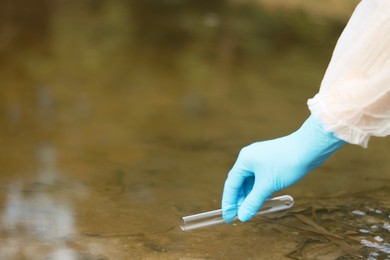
<point x="120" y="117"/>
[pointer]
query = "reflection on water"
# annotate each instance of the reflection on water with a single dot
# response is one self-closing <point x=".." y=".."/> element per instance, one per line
<point x="119" y="117"/>
<point x="35" y="219"/>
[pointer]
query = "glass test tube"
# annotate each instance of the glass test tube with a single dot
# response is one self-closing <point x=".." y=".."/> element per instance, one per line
<point x="215" y="217"/>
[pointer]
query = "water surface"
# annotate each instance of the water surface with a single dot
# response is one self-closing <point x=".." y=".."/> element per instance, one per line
<point x="120" y="117"/>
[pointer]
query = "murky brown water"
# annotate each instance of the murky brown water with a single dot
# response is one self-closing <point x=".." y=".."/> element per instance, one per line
<point x="120" y="117"/>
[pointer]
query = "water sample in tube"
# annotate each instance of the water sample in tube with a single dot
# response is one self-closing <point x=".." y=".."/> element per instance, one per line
<point x="215" y="217"/>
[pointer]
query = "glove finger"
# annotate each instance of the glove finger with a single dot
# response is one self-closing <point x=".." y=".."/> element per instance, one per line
<point x="245" y="190"/>
<point x="233" y="190"/>
<point x="255" y="199"/>
<point x="248" y="185"/>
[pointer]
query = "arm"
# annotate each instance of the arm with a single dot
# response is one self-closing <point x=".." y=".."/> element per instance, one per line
<point x="354" y="98"/>
<point x="353" y="104"/>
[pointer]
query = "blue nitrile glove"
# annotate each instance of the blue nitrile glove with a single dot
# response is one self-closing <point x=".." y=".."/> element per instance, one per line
<point x="264" y="168"/>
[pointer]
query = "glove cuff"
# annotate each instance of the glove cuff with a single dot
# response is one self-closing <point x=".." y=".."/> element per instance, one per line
<point x="322" y="143"/>
<point x="329" y="135"/>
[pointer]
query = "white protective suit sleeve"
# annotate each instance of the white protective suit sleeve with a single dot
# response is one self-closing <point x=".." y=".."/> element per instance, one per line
<point x="354" y="97"/>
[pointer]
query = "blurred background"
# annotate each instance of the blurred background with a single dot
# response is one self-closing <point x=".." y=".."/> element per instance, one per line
<point x="118" y="117"/>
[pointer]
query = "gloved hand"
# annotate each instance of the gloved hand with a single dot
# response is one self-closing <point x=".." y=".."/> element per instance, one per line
<point x="264" y="168"/>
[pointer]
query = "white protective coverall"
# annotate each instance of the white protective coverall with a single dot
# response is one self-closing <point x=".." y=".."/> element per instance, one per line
<point x="354" y="97"/>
